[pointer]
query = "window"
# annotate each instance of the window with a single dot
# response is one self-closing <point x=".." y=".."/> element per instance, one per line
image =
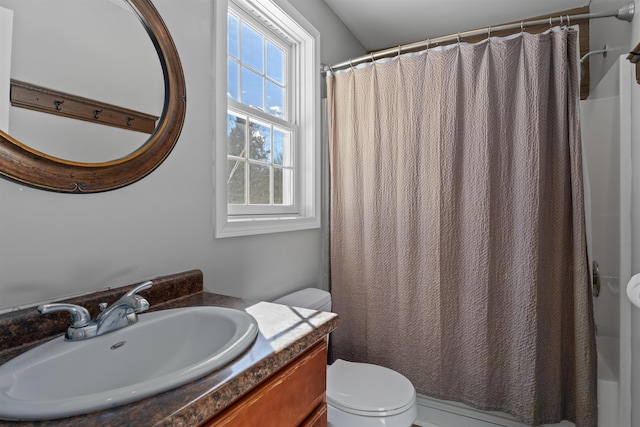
<point x="260" y="168"/>
<point x="267" y="125"/>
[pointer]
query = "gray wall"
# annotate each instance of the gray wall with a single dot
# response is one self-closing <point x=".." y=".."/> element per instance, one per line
<point x="54" y="245"/>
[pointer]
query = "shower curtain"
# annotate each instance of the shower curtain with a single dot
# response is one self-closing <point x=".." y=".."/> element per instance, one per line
<point x="458" y="252"/>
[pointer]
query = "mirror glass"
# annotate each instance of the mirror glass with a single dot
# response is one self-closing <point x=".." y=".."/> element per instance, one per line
<point x="95" y="49"/>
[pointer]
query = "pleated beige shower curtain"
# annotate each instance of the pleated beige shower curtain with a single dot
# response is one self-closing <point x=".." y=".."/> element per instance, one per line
<point x="458" y="249"/>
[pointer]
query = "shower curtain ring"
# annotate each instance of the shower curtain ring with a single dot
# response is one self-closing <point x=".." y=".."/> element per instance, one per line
<point x="458" y="39"/>
<point x="550" y="22"/>
<point x="399" y="50"/>
<point x="489" y="32"/>
<point x="568" y="21"/>
<point x="521" y="27"/>
<point x="561" y="19"/>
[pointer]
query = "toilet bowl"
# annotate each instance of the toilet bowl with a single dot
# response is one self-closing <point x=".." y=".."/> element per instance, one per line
<point x="360" y="394"/>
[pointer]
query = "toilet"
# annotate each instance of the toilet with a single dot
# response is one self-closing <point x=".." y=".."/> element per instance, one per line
<point x="360" y="394"/>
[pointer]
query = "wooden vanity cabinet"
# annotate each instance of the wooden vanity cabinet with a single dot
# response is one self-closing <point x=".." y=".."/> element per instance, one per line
<point x="294" y="396"/>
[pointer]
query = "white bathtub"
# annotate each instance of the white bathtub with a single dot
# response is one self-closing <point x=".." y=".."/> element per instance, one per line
<point x="608" y="380"/>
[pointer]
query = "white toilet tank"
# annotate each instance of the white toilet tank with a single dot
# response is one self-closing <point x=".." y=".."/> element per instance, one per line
<point x="311" y="298"/>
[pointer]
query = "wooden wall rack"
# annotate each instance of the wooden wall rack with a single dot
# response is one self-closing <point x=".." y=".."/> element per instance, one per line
<point x="32" y="97"/>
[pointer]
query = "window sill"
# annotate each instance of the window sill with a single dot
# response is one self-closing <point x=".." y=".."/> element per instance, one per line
<point x="233" y="227"/>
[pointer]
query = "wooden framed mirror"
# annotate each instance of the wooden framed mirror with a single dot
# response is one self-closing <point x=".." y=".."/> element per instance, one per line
<point x="25" y="164"/>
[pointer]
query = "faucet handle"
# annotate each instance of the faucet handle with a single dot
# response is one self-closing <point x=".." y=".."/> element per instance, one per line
<point x="80" y="316"/>
<point x="138" y="303"/>
<point x="141" y="287"/>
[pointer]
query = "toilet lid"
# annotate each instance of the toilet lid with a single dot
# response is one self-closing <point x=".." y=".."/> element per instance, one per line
<point x="362" y="388"/>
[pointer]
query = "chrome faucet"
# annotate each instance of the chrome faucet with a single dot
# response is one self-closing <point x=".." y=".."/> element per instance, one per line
<point x="120" y="314"/>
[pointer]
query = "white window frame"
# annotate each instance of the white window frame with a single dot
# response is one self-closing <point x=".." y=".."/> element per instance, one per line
<point x="304" y="109"/>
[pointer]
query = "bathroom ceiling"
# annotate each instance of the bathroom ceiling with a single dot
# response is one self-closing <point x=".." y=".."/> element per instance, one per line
<point x="380" y="24"/>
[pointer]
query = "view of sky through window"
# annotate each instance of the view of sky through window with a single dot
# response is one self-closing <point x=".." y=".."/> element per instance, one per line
<point x="255" y="69"/>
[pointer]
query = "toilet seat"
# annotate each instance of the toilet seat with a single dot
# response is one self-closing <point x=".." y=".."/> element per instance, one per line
<point x="368" y="390"/>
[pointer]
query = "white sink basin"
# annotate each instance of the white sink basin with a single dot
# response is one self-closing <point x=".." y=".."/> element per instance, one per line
<point x="163" y="350"/>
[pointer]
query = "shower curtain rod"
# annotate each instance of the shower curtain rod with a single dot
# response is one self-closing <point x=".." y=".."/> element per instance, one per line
<point x="624" y="13"/>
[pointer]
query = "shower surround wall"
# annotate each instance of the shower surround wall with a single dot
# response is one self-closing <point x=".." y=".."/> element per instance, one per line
<point x="600" y="120"/>
<point x="631" y="260"/>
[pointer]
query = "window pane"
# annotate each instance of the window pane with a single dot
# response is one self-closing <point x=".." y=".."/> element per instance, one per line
<point x="275" y="59"/>
<point x="252" y="89"/>
<point x="281" y="147"/>
<point x="275" y="100"/>
<point x="277" y="186"/>
<point x="259" y="142"/>
<point x="252" y="48"/>
<point x="232" y="36"/>
<point x="236" y="128"/>
<point x="235" y="183"/>
<point x="232" y="80"/>
<point x="259" y="186"/>
<point x="277" y="146"/>
<point x="282" y="187"/>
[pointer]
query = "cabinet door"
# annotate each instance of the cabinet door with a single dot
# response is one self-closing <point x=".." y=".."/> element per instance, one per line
<point x="318" y="418"/>
<point x="286" y="399"/>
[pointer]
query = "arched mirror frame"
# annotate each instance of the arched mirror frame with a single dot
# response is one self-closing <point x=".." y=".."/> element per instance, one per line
<point x="21" y="163"/>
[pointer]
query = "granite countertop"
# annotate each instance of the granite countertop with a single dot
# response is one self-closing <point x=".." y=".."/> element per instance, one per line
<point x="284" y="333"/>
